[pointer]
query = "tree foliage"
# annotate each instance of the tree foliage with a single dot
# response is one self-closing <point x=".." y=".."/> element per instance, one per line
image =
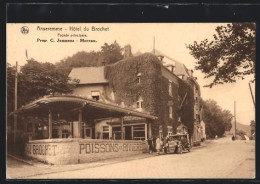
<point x="230" y="56"/>
<point x="80" y="59"/>
<point x="186" y="112"/>
<point x="241" y="133"/>
<point x="217" y="121"/>
<point x="252" y="125"/>
<point x="109" y="54"/>
<point x="35" y="80"/>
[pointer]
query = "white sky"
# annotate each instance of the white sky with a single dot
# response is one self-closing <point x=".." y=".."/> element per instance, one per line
<point x="170" y="38"/>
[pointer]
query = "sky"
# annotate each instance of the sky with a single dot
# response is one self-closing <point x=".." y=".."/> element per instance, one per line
<point x="170" y="39"/>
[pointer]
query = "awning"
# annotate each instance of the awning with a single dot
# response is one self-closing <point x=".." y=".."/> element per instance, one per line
<point x="69" y="105"/>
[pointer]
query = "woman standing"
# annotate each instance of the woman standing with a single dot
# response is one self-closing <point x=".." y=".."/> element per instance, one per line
<point x="158" y="145"/>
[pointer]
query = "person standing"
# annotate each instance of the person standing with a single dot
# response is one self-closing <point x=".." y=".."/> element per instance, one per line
<point x="150" y="144"/>
<point x="154" y="144"/>
<point x="158" y="145"/>
<point x="166" y="144"/>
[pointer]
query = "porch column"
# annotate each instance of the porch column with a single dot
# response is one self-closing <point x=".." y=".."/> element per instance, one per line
<point x="71" y="133"/>
<point x="80" y="122"/>
<point x="33" y="129"/>
<point x="149" y="129"/>
<point x="132" y="132"/>
<point x="122" y="133"/>
<point x="50" y="124"/>
<point x="145" y="127"/>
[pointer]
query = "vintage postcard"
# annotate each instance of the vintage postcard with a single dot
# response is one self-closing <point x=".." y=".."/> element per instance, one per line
<point x="130" y="100"/>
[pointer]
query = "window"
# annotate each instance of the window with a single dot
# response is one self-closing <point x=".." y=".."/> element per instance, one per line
<point x="139" y="132"/>
<point x="105" y="132"/>
<point x="139" y="103"/>
<point x="139" y="78"/>
<point x="197" y="100"/>
<point x="116" y="132"/>
<point x="197" y="107"/>
<point x="170" y="112"/>
<point x="95" y="95"/>
<point x="170" y="88"/>
<point x="197" y="117"/>
<point x="65" y="133"/>
<point x="55" y="133"/>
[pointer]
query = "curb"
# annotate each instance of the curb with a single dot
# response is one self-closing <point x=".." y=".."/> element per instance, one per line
<point x="19" y="159"/>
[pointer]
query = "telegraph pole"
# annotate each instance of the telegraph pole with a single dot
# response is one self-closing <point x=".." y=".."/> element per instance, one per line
<point x="235" y="118"/>
<point x="251" y="93"/>
<point x="15" y="102"/>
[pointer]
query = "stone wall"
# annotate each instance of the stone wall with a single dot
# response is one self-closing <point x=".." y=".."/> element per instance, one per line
<point x="73" y="151"/>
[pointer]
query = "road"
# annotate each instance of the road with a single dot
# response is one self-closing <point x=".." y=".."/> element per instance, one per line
<point x="220" y="158"/>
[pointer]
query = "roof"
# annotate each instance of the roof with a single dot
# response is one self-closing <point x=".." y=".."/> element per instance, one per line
<point x="180" y="68"/>
<point x="68" y="105"/>
<point x="88" y="75"/>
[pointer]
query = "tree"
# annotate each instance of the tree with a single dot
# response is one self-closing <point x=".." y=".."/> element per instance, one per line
<point x="217" y="121"/>
<point x="227" y="117"/>
<point x="80" y="59"/>
<point x="241" y="133"/>
<point x="111" y="53"/>
<point x="10" y="77"/>
<point x="34" y="81"/>
<point x="230" y="56"/>
<point x="252" y="125"/>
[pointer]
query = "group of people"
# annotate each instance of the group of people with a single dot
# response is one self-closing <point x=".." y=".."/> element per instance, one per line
<point x="157" y="144"/>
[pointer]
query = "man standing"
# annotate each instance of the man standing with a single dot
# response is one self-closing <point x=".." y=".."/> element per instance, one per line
<point x="150" y="144"/>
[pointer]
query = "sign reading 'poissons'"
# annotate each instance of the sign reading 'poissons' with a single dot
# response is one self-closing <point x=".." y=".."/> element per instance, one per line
<point x="89" y="148"/>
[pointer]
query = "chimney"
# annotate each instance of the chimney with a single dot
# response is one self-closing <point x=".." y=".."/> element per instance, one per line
<point x="128" y="52"/>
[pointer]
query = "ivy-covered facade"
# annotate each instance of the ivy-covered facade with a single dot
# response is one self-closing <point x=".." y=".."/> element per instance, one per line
<point x="143" y="83"/>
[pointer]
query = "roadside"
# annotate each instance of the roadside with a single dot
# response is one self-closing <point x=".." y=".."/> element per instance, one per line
<point x="18" y="168"/>
<point x="22" y="167"/>
<point x="222" y="158"/>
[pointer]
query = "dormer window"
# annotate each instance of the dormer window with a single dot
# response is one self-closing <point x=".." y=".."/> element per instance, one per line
<point x="139" y="103"/>
<point x="95" y="95"/>
<point x="139" y="78"/>
<point x="172" y="68"/>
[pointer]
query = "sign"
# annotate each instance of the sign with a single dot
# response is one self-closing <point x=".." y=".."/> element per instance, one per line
<point x="92" y="148"/>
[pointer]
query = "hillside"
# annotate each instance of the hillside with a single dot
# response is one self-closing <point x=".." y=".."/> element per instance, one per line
<point x="243" y="127"/>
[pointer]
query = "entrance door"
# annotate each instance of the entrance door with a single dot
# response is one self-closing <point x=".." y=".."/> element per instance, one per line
<point x="128" y="133"/>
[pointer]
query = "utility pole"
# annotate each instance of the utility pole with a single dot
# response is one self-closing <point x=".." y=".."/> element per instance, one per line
<point x="251" y="93"/>
<point x="15" y="102"/>
<point x="235" y="118"/>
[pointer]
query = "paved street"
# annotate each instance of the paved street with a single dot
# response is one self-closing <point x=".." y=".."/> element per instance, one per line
<point x="220" y="158"/>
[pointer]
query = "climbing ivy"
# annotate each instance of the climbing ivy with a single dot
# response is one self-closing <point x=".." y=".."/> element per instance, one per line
<point x="187" y="111"/>
<point x="153" y="88"/>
